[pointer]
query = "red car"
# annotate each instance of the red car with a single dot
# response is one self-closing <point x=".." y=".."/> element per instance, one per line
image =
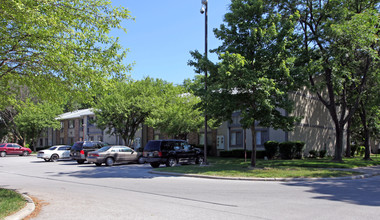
<point x="13" y="149"/>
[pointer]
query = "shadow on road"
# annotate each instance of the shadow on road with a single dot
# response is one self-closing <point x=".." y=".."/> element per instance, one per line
<point x="359" y="192"/>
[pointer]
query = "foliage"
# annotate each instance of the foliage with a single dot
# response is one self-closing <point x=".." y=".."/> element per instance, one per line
<point x="178" y="115"/>
<point x="340" y="51"/>
<point x="271" y="148"/>
<point x="239" y="153"/>
<point x="126" y="105"/>
<point x="253" y="75"/>
<point x="313" y="154"/>
<point x="322" y="153"/>
<point x="33" y="119"/>
<point x="299" y="146"/>
<point x="58" y="50"/>
<point x="287" y="150"/>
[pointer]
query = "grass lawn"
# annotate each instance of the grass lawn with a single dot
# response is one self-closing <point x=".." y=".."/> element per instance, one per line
<point x="311" y="168"/>
<point x="10" y="202"/>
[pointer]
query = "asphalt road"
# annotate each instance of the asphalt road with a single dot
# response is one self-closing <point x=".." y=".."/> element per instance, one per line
<point x="73" y="191"/>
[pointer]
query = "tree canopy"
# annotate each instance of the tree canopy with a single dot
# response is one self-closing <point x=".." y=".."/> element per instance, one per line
<point x="58" y="49"/>
<point x="253" y="76"/>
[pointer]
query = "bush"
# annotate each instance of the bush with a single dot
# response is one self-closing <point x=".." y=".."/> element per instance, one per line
<point x="313" y="153"/>
<point x="239" y="153"/>
<point x="354" y="149"/>
<point x="361" y="151"/>
<point x="322" y="153"/>
<point x="287" y="150"/>
<point x="271" y="149"/>
<point x="299" y="149"/>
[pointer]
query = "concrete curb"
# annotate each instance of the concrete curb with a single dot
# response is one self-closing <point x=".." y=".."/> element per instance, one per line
<point x="27" y="210"/>
<point x="269" y="179"/>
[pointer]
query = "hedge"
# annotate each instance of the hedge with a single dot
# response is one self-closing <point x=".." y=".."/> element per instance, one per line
<point x="239" y="153"/>
<point x="271" y="148"/>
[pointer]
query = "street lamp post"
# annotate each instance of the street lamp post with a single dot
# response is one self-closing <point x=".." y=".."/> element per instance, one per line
<point x="204" y="10"/>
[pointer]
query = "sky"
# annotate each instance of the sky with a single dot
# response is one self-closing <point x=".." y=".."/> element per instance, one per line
<point x="163" y="34"/>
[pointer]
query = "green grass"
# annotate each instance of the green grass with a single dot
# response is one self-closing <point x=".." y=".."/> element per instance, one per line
<point x="10" y="202"/>
<point x="310" y="168"/>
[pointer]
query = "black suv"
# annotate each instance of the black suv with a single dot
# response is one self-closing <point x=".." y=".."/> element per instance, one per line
<point x="171" y="152"/>
<point x="80" y="149"/>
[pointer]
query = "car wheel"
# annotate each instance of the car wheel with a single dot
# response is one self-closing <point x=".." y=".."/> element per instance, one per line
<point x="199" y="160"/>
<point x="3" y="154"/>
<point x="54" y="157"/>
<point x="25" y="153"/>
<point x="154" y="165"/>
<point x="98" y="164"/>
<point x="80" y="161"/>
<point x="46" y="160"/>
<point x="110" y="161"/>
<point x="141" y="160"/>
<point x="171" y="162"/>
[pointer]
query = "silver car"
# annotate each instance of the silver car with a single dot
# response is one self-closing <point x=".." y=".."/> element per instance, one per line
<point x="114" y="154"/>
<point x="54" y="153"/>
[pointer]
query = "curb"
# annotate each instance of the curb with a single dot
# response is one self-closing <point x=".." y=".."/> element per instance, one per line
<point x="363" y="176"/>
<point x="27" y="210"/>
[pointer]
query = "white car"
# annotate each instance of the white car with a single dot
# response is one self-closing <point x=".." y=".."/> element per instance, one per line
<point x="54" y="153"/>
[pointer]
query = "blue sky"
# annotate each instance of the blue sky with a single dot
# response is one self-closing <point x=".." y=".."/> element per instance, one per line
<point x="164" y="33"/>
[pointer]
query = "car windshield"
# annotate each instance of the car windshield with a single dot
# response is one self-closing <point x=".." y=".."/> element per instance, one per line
<point x="152" y="146"/>
<point x="52" y="148"/>
<point x="104" y="149"/>
<point x="3" y="145"/>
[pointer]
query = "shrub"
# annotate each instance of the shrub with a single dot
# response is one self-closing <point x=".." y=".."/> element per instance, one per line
<point x="354" y="149"/>
<point x="271" y="149"/>
<point x="239" y="153"/>
<point x="313" y="153"/>
<point x="287" y="150"/>
<point x="361" y="151"/>
<point x="299" y="145"/>
<point x="322" y="153"/>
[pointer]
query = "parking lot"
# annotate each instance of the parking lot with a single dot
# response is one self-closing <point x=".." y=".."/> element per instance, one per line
<point x="129" y="191"/>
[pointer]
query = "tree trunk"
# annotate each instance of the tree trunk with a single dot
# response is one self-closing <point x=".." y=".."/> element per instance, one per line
<point x="348" y="144"/>
<point x="339" y="143"/>
<point x="363" y="117"/>
<point x="253" y="155"/>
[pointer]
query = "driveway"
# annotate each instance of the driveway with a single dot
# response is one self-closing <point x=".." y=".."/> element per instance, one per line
<point x="129" y="191"/>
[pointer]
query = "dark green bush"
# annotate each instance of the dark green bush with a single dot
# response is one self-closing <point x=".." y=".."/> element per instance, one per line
<point x="271" y="149"/>
<point x="313" y="153"/>
<point x="354" y="149"/>
<point x="239" y="153"/>
<point x="322" y="153"/>
<point x="361" y="151"/>
<point x="287" y="150"/>
<point x="299" y="149"/>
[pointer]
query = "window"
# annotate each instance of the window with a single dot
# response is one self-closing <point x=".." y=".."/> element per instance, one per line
<point x="201" y="139"/>
<point x="237" y="138"/>
<point x="258" y="138"/>
<point x="41" y="142"/>
<point x="62" y="140"/>
<point x="71" y="124"/>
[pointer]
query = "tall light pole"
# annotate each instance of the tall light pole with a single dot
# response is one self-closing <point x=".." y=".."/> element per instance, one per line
<point x="204" y="10"/>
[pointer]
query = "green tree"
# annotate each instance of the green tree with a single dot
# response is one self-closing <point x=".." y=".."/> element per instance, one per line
<point x="180" y="114"/>
<point x="126" y="105"/>
<point x="32" y="119"/>
<point x="59" y="48"/>
<point x="339" y="52"/>
<point x="254" y="74"/>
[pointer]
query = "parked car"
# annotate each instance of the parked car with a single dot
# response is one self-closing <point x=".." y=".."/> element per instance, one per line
<point x="54" y="153"/>
<point x="80" y="149"/>
<point x="114" y="154"/>
<point x="171" y="152"/>
<point x="13" y="149"/>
